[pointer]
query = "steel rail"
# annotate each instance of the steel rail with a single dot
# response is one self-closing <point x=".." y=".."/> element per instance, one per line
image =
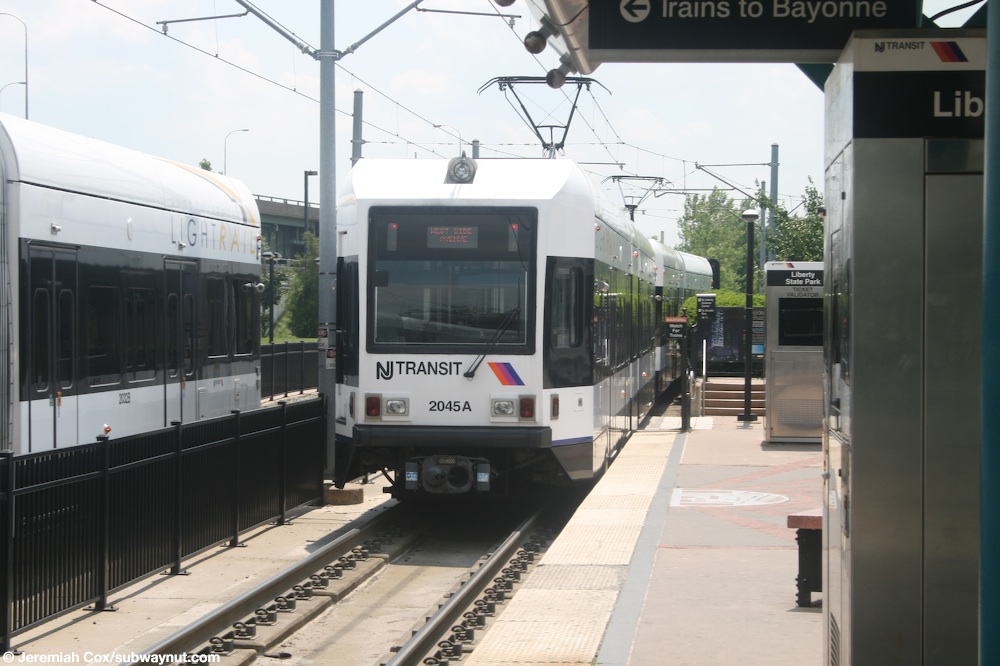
<point x="426" y="638"/>
<point x="222" y="618"/>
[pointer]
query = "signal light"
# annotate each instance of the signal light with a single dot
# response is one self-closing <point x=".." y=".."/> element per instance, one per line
<point x="555" y="406"/>
<point x="373" y="406"/>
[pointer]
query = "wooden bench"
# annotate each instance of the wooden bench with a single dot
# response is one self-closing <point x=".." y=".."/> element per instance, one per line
<point x="808" y="526"/>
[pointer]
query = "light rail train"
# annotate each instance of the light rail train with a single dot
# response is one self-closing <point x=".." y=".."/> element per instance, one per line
<point x="500" y="325"/>
<point x="129" y="289"/>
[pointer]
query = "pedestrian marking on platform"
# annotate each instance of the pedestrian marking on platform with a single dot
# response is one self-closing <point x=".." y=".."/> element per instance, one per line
<point x="685" y="497"/>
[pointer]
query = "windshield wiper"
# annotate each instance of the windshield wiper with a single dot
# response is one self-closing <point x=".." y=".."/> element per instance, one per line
<point x="501" y="329"/>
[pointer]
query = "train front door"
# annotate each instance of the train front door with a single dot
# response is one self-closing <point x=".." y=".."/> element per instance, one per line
<point x="179" y="399"/>
<point x="52" y="349"/>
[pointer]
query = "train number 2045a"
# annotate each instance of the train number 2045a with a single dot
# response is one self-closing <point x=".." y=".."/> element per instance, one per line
<point x="449" y="406"/>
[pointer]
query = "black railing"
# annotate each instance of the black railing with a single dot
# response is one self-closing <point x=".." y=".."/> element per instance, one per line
<point x="81" y="522"/>
<point x="287" y="367"/>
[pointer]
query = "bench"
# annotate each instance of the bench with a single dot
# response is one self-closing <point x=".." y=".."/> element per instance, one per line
<point x="808" y="526"/>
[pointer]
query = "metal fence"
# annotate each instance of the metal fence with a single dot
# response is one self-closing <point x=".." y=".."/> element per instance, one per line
<point x="81" y="522"/>
<point x="286" y="367"/>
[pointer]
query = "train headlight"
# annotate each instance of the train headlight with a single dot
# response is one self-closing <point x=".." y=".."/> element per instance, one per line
<point x="461" y="170"/>
<point x="503" y="407"/>
<point x="397" y="407"/>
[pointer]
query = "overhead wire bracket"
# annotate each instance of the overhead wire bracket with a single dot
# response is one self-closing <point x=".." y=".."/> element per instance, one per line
<point x="510" y="82"/>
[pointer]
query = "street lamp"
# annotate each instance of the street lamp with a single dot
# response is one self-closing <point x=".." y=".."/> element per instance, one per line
<point x="25" y="82"/>
<point x="305" y="215"/>
<point x="749" y="216"/>
<point x="12" y="83"/>
<point x="225" y="149"/>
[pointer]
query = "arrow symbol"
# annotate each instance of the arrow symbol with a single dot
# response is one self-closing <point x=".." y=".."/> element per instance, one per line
<point x="634" y="10"/>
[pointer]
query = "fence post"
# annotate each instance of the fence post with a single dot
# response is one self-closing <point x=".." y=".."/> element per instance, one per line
<point x="104" y="572"/>
<point x="273" y="371"/>
<point x="178" y="536"/>
<point x="234" y="540"/>
<point x="302" y="367"/>
<point x="286" y="368"/>
<point x="7" y="537"/>
<point x="283" y="479"/>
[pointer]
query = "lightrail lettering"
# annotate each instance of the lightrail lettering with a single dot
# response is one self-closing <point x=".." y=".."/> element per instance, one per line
<point x="215" y="235"/>
<point x="390" y="369"/>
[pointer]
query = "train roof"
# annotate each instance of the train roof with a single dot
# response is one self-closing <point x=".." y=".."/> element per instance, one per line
<point x="502" y="180"/>
<point x="40" y="155"/>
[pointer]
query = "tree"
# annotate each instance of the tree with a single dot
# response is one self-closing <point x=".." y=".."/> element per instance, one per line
<point x="713" y="227"/>
<point x="302" y="297"/>
<point x="799" y="238"/>
<point x="205" y="164"/>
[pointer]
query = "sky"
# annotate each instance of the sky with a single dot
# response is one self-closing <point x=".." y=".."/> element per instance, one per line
<point x="105" y="69"/>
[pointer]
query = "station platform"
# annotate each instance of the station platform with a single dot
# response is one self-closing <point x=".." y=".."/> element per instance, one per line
<point x="680" y="555"/>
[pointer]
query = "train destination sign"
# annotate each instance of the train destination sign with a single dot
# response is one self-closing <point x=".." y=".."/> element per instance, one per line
<point x="798" y="31"/>
<point x="445" y="236"/>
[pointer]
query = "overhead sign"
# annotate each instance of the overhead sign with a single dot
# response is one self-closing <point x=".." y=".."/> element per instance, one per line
<point x="797" y="31"/>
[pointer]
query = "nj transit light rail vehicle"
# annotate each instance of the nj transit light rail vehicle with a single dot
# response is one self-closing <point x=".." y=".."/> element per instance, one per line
<point x="130" y="290"/>
<point x="499" y="325"/>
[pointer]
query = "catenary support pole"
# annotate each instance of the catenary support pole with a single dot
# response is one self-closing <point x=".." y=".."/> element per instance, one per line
<point x="327" y="371"/>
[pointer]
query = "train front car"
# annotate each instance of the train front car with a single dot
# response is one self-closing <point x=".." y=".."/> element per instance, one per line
<point x="476" y="329"/>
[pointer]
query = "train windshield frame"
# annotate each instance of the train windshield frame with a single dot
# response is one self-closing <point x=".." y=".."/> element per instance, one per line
<point x="447" y="280"/>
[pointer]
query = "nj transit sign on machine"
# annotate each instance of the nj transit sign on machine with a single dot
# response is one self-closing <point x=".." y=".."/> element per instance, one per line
<point x="797" y="31"/>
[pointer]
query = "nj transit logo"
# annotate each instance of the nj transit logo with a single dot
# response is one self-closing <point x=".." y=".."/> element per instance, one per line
<point x="506" y="374"/>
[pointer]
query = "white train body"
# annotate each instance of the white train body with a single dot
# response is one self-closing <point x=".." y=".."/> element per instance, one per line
<point x="493" y="333"/>
<point x="130" y="290"/>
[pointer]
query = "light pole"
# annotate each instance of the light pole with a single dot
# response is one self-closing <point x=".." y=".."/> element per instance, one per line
<point x="456" y="130"/>
<point x="750" y="216"/>
<point x="225" y="149"/>
<point x="305" y="215"/>
<point x="23" y="25"/>
<point x="270" y="257"/>
<point x="12" y="83"/>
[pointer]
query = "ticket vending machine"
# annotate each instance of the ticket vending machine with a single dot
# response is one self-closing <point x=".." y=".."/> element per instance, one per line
<point x="903" y="271"/>
<point x="793" y="351"/>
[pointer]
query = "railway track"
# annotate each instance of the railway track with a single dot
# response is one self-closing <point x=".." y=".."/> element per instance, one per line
<point x="411" y="586"/>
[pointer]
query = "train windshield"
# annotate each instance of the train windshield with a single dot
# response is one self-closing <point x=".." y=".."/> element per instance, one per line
<point x="451" y="279"/>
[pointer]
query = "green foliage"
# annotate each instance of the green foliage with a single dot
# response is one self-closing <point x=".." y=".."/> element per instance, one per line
<point x="799" y="238"/>
<point x="205" y="164"/>
<point x="713" y="227"/>
<point x="302" y="295"/>
<point x="723" y="299"/>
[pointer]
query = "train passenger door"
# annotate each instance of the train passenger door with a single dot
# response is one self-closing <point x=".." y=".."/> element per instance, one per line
<point x="52" y="347"/>
<point x="179" y="399"/>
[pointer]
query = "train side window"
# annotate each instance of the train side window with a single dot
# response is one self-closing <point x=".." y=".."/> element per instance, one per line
<point x="567" y="308"/>
<point x="244" y="299"/>
<point x="218" y="338"/>
<point x="140" y="335"/>
<point x="103" y="326"/>
<point x="173" y="335"/>
<point x="187" y="333"/>
<point x="40" y="329"/>
<point x="66" y="340"/>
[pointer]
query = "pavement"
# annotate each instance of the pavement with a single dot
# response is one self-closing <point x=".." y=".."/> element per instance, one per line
<point x="714" y="571"/>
